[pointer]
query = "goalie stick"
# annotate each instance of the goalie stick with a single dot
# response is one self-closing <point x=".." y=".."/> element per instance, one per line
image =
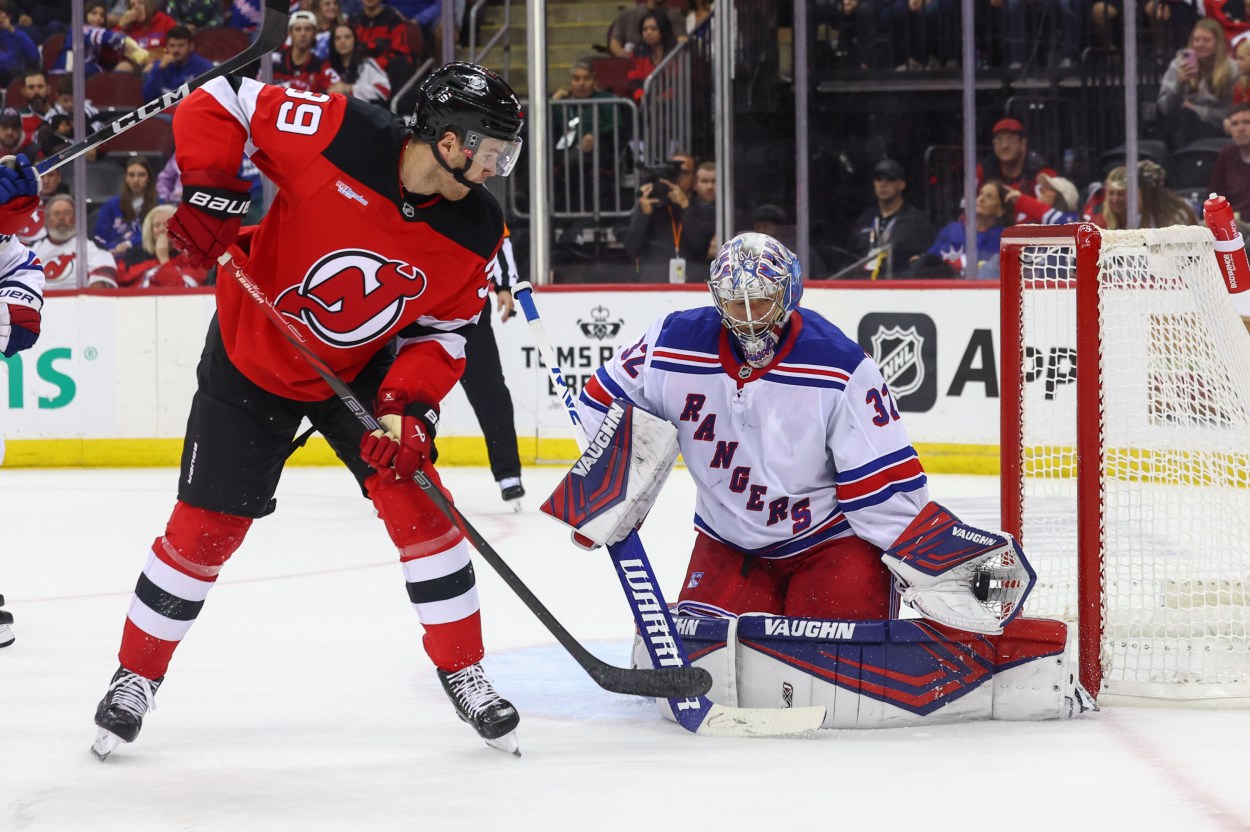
<point x="270" y="35"/>
<point x="678" y="681"/>
<point x="696" y="714"/>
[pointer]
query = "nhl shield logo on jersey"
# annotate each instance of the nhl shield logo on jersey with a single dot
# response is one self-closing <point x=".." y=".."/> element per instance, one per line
<point x="351" y="296"/>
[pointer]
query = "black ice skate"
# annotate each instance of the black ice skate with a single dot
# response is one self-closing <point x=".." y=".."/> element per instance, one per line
<point x="492" y="716"/>
<point x="512" y="491"/>
<point x="120" y="713"/>
<point x="6" y="626"/>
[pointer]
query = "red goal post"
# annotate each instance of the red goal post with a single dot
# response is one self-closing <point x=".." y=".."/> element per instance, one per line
<point x="1125" y="454"/>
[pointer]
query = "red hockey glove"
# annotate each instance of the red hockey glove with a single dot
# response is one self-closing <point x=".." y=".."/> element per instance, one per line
<point x="406" y="440"/>
<point x="19" y="328"/>
<point x="207" y="222"/>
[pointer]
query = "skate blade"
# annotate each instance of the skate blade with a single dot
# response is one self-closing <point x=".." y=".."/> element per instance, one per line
<point x="516" y="505"/>
<point x="507" y="743"/>
<point x="7" y="637"/>
<point x="106" y="743"/>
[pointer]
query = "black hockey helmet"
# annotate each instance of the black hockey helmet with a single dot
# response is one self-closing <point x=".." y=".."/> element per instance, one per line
<point x="477" y="105"/>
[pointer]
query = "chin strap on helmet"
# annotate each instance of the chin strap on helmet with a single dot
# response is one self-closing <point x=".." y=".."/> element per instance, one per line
<point x="457" y="174"/>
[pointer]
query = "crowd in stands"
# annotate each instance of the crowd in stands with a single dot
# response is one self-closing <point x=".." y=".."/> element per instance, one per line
<point x="369" y="49"/>
<point x="360" y="48"/>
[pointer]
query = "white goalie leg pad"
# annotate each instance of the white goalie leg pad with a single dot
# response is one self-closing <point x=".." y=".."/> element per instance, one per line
<point x="884" y="674"/>
<point x="1045" y="686"/>
<point x="611" y="488"/>
<point x="887" y="674"/>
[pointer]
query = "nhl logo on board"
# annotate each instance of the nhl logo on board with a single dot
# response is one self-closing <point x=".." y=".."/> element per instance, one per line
<point x="897" y="351"/>
<point x="599" y="327"/>
<point x="787" y="695"/>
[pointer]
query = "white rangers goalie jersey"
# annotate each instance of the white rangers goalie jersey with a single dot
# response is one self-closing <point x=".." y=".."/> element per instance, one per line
<point x="784" y="457"/>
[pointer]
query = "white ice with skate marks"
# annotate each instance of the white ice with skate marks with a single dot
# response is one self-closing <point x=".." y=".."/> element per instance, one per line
<point x="302" y="699"/>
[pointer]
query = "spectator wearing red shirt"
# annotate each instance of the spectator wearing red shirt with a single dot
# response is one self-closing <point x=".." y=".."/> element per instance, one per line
<point x="655" y="41"/>
<point x="146" y="25"/>
<point x="38" y="104"/>
<point x="1012" y="163"/>
<point x="384" y="35"/>
<point x="156" y="263"/>
<point x="295" y="66"/>
<point x="1230" y="175"/>
<point x="349" y="71"/>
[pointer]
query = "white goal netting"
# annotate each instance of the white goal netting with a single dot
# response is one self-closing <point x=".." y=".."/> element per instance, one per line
<point x="1175" y="490"/>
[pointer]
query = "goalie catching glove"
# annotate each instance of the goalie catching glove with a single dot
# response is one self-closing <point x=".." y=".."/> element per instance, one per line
<point x="958" y="575"/>
<point x="406" y="439"/>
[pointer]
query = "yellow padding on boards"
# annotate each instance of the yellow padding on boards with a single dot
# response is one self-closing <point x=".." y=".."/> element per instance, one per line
<point x="452" y="451"/>
<point x="162" y="453"/>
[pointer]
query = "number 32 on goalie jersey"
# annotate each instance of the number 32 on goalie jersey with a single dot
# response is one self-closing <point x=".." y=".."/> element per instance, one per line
<point x="882" y="402"/>
<point x="304" y="118"/>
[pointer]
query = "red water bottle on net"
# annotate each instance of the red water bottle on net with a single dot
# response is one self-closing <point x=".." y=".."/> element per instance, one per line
<point x="1230" y="248"/>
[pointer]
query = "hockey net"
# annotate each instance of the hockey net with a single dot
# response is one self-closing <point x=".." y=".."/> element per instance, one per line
<point x="1126" y="454"/>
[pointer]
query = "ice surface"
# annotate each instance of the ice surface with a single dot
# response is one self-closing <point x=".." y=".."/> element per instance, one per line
<point x="302" y="699"/>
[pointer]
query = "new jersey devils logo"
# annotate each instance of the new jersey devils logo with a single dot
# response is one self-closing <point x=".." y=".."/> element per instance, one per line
<point x="352" y="296"/>
<point x="58" y="267"/>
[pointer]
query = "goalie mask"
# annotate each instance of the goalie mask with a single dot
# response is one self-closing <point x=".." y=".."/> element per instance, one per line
<point x="756" y="283"/>
<point x="479" y="107"/>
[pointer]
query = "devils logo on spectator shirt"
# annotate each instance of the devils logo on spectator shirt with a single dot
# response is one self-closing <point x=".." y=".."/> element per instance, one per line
<point x="351" y="296"/>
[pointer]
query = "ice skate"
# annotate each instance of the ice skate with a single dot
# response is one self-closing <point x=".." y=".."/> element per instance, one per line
<point x="512" y="491"/>
<point x="6" y="626"/>
<point x="120" y="713"/>
<point x="492" y="716"/>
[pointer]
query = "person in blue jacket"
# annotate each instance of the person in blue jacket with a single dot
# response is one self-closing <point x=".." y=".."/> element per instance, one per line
<point x="178" y="65"/>
<point x="119" y="225"/>
<point x="946" y="258"/>
<point x="17" y="50"/>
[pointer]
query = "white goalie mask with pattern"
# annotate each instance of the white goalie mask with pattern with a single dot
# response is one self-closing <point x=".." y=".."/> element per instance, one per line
<point x="756" y="283"/>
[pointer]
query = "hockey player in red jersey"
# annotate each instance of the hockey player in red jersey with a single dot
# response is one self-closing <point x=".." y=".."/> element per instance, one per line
<point x="376" y="247"/>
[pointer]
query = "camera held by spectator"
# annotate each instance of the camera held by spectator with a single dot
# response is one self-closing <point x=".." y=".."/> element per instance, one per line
<point x="659" y="177"/>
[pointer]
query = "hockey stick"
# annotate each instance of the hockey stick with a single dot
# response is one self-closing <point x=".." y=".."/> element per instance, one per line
<point x="681" y="681"/>
<point x="271" y="34"/>
<point x="696" y="714"/>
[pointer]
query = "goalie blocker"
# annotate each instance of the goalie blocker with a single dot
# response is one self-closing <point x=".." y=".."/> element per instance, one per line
<point x="613" y="485"/>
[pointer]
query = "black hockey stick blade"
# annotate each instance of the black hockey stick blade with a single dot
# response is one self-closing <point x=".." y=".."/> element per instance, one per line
<point x="270" y="35"/>
<point x="665" y="683"/>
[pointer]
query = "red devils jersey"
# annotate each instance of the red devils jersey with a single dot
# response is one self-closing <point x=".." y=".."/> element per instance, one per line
<point x="343" y="252"/>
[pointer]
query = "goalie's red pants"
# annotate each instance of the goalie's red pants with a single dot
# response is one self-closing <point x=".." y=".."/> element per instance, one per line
<point x="842" y="579"/>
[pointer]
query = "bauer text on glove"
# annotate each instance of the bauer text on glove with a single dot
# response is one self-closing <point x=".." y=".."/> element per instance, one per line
<point x="207" y="222"/>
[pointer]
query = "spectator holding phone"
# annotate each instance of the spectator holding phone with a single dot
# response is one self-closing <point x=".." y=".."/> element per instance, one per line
<point x="1196" y="92"/>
